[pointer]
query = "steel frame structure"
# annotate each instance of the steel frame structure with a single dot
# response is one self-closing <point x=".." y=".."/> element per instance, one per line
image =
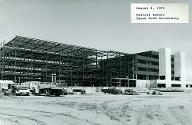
<point x="29" y="59"/>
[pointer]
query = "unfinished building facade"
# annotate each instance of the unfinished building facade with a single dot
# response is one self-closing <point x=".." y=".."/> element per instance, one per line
<point x="28" y="59"/>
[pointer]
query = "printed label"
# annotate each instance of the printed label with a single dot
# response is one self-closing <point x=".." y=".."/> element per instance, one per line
<point x="159" y="13"/>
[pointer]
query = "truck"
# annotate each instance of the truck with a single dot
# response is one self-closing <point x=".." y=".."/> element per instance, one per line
<point x="112" y="90"/>
<point x="50" y="91"/>
<point x="130" y="92"/>
<point x="22" y="91"/>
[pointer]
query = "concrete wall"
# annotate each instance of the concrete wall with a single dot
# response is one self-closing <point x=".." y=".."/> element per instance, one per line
<point x="165" y="64"/>
<point x="142" y="83"/>
<point x="179" y="65"/>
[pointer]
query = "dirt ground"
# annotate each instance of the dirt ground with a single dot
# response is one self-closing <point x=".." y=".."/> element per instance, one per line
<point x="97" y="109"/>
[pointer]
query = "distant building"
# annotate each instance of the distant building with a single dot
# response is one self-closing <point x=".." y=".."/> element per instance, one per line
<point x="171" y="69"/>
<point x="158" y="69"/>
<point x="27" y="59"/>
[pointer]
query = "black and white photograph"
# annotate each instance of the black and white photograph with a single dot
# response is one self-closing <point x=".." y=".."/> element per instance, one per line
<point x="95" y="62"/>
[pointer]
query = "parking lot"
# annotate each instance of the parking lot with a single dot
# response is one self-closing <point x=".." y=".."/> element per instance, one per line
<point x="97" y="109"/>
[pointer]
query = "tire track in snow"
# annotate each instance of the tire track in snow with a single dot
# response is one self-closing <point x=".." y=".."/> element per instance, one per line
<point x="180" y="113"/>
<point x="152" y="115"/>
<point x="12" y="118"/>
<point x="44" y="113"/>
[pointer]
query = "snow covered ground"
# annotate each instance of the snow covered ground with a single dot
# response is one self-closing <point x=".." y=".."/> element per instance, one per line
<point x="97" y="109"/>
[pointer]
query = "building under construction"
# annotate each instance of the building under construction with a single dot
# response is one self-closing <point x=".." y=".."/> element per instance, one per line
<point x="29" y="59"/>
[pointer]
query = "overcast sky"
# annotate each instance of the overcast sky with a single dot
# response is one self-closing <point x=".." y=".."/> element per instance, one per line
<point x="100" y="24"/>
